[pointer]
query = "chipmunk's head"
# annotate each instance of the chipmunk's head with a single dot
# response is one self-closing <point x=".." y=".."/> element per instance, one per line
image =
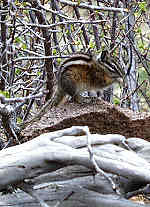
<point x="111" y="65"/>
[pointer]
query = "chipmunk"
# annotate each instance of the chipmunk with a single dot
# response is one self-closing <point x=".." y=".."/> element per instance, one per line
<point x="82" y="72"/>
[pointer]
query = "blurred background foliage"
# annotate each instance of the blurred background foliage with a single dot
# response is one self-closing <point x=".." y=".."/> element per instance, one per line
<point x="36" y="36"/>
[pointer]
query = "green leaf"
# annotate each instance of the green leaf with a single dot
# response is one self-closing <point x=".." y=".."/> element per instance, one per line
<point x="5" y="93"/>
<point x="59" y="60"/>
<point x="18" y="71"/>
<point x="38" y="73"/>
<point x="141" y="46"/>
<point x="91" y="44"/>
<point x="77" y="42"/>
<point x="24" y="46"/>
<point x="71" y="27"/>
<point x="67" y="32"/>
<point x="54" y="51"/>
<point x="142" y="6"/>
<point x="17" y="39"/>
<point x="116" y="101"/>
<point x="139" y="30"/>
<point x="19" y="120"/>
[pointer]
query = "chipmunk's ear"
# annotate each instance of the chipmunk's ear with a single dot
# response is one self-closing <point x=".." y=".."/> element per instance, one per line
<point x="104" y="55"/>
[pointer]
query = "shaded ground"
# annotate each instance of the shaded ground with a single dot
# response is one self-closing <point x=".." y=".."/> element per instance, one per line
<point x="100" y="116"/>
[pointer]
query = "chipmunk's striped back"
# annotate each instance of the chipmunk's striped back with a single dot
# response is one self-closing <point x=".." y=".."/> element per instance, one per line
<point x="86" y="72"/>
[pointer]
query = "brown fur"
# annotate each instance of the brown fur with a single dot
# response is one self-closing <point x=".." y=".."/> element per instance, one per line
<point x="83" y="72"/>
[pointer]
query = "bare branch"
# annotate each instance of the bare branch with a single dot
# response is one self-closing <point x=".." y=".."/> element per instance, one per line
<point x="92" y="7"/>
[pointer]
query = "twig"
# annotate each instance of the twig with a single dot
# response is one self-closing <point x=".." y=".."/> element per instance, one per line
<point x="20" y="99"/>
<point x="92" y="7"/>
<point x="64" y="23"/>
<point x="26" y="26"/>
<point x="92" y="158"/>
<point x="132" y="92"/>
